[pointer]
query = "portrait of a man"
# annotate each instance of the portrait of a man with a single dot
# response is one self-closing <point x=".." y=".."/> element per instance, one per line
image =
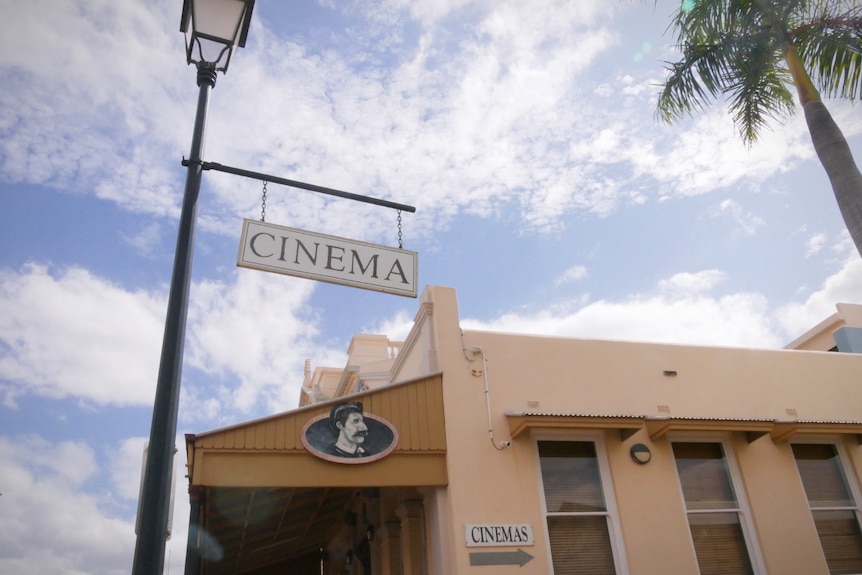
<point x="347" y="420"/>
<point x="349" y="435"/>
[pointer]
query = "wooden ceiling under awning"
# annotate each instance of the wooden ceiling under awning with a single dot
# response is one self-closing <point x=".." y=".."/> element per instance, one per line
<point x="268" y="504"/>
<point x="248" y="530"/>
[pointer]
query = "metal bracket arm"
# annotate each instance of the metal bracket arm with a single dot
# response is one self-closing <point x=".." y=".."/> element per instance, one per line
<point x="302" y="185"/>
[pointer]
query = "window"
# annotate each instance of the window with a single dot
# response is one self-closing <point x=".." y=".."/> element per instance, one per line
<point x="577" y="514"/>
<point x="714" y="516"/>
<point x="833" y="505"/>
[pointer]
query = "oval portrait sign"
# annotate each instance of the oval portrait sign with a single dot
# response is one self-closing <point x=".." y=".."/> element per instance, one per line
<point x="349" y="435"/>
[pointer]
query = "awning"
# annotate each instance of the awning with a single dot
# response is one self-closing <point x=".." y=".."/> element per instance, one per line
<point x="267" y="503"/>
<point x="658" y="427"/>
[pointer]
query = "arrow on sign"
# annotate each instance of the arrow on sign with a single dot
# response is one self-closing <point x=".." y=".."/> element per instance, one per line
<point x="519" y="558"/>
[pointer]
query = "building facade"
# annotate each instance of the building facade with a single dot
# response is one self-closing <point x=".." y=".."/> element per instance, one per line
<point x="458" y="452"/>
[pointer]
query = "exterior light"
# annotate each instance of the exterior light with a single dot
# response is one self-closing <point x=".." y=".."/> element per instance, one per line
<point x="640" y="453"/>
<point x="213" y="28"/>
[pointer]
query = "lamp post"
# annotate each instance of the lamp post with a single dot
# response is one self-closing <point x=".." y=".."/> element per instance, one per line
<point x="214" y="28"/>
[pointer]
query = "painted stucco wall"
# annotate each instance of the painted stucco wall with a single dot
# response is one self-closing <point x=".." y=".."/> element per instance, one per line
<point x="488" y="485"/>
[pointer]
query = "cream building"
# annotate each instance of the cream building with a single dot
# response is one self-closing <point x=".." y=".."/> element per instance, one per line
<point x="495" y="453"/>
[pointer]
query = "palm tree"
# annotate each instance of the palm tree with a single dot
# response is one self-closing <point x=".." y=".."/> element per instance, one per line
<point x="751" y="51"/>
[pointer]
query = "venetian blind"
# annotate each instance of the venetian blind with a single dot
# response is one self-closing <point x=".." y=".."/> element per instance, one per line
<point x="719" y="544"/>
<point x="580" y="545"/>
<point x="577" y="514"/>
<point x="704" y="476"/>
<point x="713" y="511"/>
<point x="570" y="475"/>
<point x="827" y="491"/>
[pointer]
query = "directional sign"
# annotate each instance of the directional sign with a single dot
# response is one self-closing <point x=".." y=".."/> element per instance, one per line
<point x="321" y="257"/>
<point x="498" y="535"/>
<point x="519" y="558"/>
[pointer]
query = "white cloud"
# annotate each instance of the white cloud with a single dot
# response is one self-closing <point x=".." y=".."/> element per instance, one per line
<point x="146" y="240"/>
<point x="705" y="154"/>
<point x="815" y="243"/>
<point x="125" y="471"/>
<point x="573" y="274"/>
<point x="844" y="286"/>
<point x="747" y="222"/>
<point x="457" y="106"/>
<point x="58" y="518"/>
<point x="78" y="106"/>
<point x="397" y="327"/>
<point x="686" y="284"/>
<point x="733" y="320"/>
<point x="69" y="333"/>
<point x="683" y="310"/>
<point x="504" y="114"/>
<point x="50" y="524"/>
<point x="258" y="330"/>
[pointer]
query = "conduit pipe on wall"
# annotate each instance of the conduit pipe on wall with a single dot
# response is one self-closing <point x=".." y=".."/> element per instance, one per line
<point x="472" y="356"/>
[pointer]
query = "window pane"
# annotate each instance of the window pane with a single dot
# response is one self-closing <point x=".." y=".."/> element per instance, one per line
<point x="570" y="475"/>
<point x="841" y="540"/>
<point x="704" y="476"/>
<point x="580" y="545"/>
<point x="822" y="475"/>
<point x="719" y="544"/>
<point x="577" y="515"/>
<point x="826" y="486"/>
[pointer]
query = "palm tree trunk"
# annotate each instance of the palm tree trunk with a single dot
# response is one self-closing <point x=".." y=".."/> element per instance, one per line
<point x="835" y="155"/>
<point x="831" y="147"/>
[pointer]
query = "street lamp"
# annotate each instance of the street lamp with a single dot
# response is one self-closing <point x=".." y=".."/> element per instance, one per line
<point x="217" y="27"/>
<point x="214" y="28"/>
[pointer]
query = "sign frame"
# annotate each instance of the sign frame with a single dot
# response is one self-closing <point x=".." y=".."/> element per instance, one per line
<point x="289" y="251"/>
<point x="320" y="434"/>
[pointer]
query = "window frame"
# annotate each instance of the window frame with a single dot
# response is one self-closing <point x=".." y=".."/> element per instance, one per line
<point x="611" y="513"/>
<point x="852" y="479"/>
<point x="743" y="510"/>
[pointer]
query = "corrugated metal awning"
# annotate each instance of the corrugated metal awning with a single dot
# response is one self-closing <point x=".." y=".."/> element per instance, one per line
<point x="658" y="427"/>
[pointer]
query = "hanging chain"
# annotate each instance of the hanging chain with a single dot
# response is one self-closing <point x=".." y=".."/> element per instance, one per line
<point x="263" y="216"/>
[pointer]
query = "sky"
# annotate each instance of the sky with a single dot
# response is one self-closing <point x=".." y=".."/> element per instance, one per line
<point x="546" y="192"/>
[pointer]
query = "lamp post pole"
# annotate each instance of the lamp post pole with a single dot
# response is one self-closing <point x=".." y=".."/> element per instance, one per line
<point x="154" y="506"/>
<point x="213" y="28"/>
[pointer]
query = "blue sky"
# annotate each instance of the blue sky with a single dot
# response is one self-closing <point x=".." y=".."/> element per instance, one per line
<point x="524" y="133"/>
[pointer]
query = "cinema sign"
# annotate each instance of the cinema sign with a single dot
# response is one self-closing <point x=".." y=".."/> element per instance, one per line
<point x="326" y="258"/>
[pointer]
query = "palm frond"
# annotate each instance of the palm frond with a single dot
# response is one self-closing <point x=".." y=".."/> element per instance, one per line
<point x="830" y="45"/>
<point x="692" y="82"/>
<point x="735" y="49"/>
<point x="757" y="85"/>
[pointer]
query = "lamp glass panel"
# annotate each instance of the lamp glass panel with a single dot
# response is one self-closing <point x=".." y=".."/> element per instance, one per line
<point x="219" y="19"/>
<point x="209" y="51"/>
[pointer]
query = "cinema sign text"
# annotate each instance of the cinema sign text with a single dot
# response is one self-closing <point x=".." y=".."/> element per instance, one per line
<point x="497" y="535"/>
<point x="326" y="258"/>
